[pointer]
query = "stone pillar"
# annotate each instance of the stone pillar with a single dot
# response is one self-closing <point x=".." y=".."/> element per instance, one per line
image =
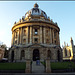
<point x="12" y="43"/>
<point x="44" y="35"/>
<point x="18" y="37"/>
<point x="30" y="35"/>
<point x="27" y="35"/>
<point x="12" y="39"/>
<point x="53" y="36"/>
<point x="19" y="54"/>
<point x="50" y="37"/>
<point x="9" y="57"/>
<point x="58" y="38"/>
<point x="40" y="34"/>
<point x="28" y="66"/>
<point x="21" y="36"/>
<point x="48" y="66"/>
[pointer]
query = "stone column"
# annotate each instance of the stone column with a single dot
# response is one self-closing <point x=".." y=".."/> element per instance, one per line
<point x="40" y="34"/>
<point x="19" y="54"/>
<point x="53" y="36"/>
<point x="18" y="37"/>
<point x="48" y="66"/>
<point x="50" y="37"/>
<point x="58" y="41"/>
<point x="9" y="57"/>
<point x="14" y="38"/>
<point x="12" y="43"/>
<point x="58" y="38"/>
<point x="30" y="35"/>
<point x="44" y="35"/>
<point x="21" y="36"/>
<point x="27" y="35"/>
<point x="28" y="66"/>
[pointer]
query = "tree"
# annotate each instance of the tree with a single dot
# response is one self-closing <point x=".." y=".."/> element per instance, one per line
<point x="6" y="51"/>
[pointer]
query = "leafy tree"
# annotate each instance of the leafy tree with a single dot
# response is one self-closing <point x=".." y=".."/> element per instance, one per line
<point x="6" y="51"/>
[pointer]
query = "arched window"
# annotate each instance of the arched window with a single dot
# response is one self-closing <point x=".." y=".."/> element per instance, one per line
<point x="22" y="54"/>
<point x="49" y="54"/>
<point x="36" y="31"/>
<point x="24" y="41"/>
<point x="24" y="32"/>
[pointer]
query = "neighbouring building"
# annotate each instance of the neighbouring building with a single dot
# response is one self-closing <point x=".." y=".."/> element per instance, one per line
<point x="34" y="37"/>
<point x="2" y="50"/>
<point x="69" y="51"/>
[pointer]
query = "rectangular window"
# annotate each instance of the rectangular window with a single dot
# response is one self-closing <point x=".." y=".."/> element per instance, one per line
<point x="55" y="41"/>
<point x="36" y="31"/>
<point x="47" y="40"/>
<point x="36" y="40"/>
<point x="24" y="32"/>
<point x="54" y="34"/>
<point x="15" y="41"/>
<point x="24" y="41"/>
<point x="47" y="32"/>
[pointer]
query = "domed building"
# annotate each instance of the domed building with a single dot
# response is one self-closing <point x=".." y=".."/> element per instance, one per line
<point x="34" y="37"/>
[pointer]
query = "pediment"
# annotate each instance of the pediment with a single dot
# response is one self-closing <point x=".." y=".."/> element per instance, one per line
<point x="36" y="45"/>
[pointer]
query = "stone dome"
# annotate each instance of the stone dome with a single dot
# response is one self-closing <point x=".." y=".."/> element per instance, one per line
<point x="35" y="11"/>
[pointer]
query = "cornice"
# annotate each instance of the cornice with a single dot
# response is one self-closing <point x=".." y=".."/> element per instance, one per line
<point x="35" y="22"/>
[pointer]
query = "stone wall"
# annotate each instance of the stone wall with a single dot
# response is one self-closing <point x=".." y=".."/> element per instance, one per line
<point x="28" y="53"/>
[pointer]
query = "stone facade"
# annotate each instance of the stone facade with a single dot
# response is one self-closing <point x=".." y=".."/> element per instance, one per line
<point x="34" y="37"/>
<point x="69" y="51"/>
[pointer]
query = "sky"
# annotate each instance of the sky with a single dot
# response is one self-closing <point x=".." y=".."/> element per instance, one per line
<point x="62" y="12"/>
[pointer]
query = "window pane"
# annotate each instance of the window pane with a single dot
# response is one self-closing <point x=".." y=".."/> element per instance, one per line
<point x="36" y="32"/>
<point x="36" y="39"/>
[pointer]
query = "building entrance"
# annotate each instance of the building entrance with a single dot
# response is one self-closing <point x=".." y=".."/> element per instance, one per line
<point x="36" y="55"/>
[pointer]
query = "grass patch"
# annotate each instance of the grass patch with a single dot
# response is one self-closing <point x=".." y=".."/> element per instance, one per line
<point x="22" y="65"/>
<point x="61" y="65"/>
<point x="13" y="66"/>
